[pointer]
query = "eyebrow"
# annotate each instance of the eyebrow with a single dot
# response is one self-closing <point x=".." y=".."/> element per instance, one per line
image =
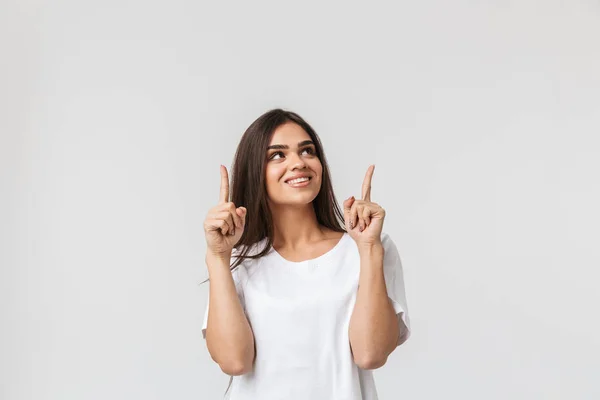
<point x="285" y="146"/>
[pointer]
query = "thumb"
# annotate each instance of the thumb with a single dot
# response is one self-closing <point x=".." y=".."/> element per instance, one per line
<point x="242" y="211"/>
<point x="348" y="204"/>
<point x="347" y="207"/>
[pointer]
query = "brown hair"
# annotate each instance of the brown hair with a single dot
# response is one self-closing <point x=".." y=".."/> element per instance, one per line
<point x="248" y="187"/>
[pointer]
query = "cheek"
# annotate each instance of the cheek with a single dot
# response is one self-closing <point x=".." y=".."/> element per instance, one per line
<point x="318" y="168"/>
<point x="273" y="175"/>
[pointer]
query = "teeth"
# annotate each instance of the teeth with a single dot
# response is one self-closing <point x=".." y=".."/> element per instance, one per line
<point x="298" y="180"/>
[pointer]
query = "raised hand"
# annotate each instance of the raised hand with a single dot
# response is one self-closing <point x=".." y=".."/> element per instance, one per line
<point x="224" y="223"/>
<point x="363" y="218"/>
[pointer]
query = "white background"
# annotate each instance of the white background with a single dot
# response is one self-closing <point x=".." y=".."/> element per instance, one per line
<point x="482" y="119"/>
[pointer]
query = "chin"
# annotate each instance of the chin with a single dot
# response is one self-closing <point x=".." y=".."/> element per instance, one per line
<point x="300" y="200"/>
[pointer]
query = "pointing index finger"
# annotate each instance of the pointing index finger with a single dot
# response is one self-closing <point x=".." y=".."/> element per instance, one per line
<point x="366" y="187"/>
<point x="224" y="195"/>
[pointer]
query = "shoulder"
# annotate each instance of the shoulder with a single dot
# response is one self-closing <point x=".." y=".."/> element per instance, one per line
<point x="386" y="240"/>
<point x="253" y="249"/>
<point x="389" y="246"/>
<point x="247" y="264"/>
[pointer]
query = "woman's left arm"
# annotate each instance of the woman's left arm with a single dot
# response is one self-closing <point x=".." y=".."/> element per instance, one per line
<point x="374" y="330"/>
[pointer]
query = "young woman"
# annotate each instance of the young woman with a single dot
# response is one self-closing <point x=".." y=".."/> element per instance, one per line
<point x="314" y="299"/>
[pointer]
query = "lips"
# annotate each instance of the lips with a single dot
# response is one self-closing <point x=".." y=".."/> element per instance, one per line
<point x="300" y="182"/>
<point x="304" y="182"/>
<point x="297" y="176"/>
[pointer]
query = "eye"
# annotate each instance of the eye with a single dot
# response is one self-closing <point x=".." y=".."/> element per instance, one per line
<point x="310" y="151"/>
<point x="274" y="154"/>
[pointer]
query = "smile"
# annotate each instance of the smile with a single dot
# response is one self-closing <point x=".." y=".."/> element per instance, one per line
<point x="300" y="182"/>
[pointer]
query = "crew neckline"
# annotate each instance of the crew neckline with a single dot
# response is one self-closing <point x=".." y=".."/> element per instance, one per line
<point x="315" y="260"/>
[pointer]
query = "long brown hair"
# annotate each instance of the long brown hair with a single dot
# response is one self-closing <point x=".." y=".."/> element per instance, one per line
<point x="248" y="187"/>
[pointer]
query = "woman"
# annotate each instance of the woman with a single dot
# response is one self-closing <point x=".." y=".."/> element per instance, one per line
<point x="314" y="299"/>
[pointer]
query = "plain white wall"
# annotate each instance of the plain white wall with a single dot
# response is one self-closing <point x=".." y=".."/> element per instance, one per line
<point x="482" y="119"/>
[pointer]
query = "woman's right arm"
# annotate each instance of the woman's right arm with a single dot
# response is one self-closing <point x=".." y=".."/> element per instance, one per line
<point x="229" y="337"/>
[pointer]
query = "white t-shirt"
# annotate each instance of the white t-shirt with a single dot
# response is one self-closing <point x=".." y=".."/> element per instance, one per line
<point x="300" y="313"/>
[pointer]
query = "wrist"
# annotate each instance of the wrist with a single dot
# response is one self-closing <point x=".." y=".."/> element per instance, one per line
<point x="371" y="248"/>
<point x="212" y="257"/>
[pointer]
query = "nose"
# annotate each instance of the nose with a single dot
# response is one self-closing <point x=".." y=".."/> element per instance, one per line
<point x="297" y="162"/>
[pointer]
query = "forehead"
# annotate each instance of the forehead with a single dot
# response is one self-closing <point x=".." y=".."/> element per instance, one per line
<point x="289" y="133"/>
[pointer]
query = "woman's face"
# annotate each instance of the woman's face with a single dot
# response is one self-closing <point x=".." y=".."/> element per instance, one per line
<point x="294" y="154"/>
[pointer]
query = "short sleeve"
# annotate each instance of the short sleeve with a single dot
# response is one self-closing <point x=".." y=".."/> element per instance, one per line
<point x="238" y="275"/>
<point x="394" y="282"/>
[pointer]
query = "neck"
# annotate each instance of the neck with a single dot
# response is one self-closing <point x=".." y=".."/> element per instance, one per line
<point x="295" y="226"/>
